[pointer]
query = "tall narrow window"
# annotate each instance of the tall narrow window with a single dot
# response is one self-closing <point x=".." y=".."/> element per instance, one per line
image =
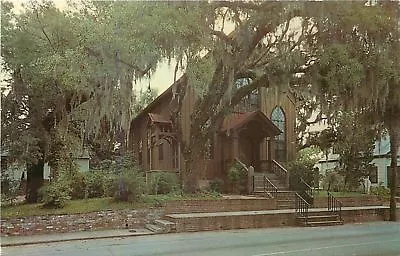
<point x="279" y="119"/>
<point x="161" y="151"/>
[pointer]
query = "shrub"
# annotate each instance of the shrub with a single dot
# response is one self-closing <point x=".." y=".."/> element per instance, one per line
<point x="216" y="186"/>
<point x="77" y="185"/>
<point x="163" y="183"/>
<point x="303" y="167"/>
<point x="95" y="181"/>
<point x="380" y="191"/>
<point x="128" y="186"/>
<point x="237" y="175"/>
<point x="56" y="193"/>
<point x="333" y="181"/>
<point x="109" y="184"/>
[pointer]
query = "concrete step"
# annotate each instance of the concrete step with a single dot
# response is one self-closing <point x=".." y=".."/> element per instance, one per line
<point x="166" y="225"/>
<point x="161" y="226"/>
<point x="323" y="223"/>
<point x="319" y="218"/>
<point x="316" y="219"/>
<point x="154" y="228"/>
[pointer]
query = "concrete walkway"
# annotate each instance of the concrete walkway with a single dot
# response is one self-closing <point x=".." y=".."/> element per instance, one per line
<point x="266" y="212"/>
<point x="83" y="235"/>
<point x="99" y="234"/>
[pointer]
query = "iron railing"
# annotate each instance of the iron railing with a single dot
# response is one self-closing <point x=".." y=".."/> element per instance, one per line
<point x="307" y="191"/>
<point x="302" y="207"/>
<point x="269" y="187"/>
<point x="334" y="205"/>
<point x="280" y="171"/>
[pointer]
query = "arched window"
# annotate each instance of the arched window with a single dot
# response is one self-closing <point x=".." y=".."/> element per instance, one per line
<point x="279" y="119"/>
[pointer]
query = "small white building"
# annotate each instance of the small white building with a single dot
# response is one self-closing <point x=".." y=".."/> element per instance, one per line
<point x="380" y="174"/>
<point x="15" y="171"/>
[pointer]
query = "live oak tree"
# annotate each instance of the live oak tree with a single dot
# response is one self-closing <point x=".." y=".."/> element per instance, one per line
<point x="262" y="47"/>
<point x="73" y="73"/>
<point x="358" y="67"/>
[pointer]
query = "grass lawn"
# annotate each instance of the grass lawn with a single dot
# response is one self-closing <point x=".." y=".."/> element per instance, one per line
<point x="92" y="205"/>
<point x="322" y="193"/>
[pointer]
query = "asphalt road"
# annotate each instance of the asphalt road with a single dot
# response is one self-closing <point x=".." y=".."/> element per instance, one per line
<point x="379" y="238"/>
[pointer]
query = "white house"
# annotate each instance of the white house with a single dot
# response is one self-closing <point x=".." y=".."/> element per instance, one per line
<point x="381" y="161"/>
<point x="15" y="171"/>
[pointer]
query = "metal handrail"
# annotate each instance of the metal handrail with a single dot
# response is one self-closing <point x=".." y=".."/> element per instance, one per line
<point x="241" y="164"/>
<point x="302" y="207"/>
<point x="272" y="189"/>
<point x="334" y="205"/>
<point x="307" y="191"/>
<point x="280" y="171"/>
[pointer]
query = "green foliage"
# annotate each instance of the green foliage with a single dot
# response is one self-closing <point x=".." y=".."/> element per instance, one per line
<point x="216" y="185"/>
<point x="355" y="145"/>
<point x="95" y="182"/>
<point x="129" y="185"/>
<point x="333" y="181"/>
<point x="163" y="183"/>
<point x="380" y="191"/>
<point x="303" y="167"/>
<point x="121" y="179"/>
<point x="237" y="176"/>
<point x="9" y="187"/>
<point x="77" y="183"/>
<point x="56" y="193"/>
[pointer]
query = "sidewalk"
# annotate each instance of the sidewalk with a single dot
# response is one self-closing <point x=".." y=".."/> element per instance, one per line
<point x="99" y="234"/>
<point x="61" y="237"/>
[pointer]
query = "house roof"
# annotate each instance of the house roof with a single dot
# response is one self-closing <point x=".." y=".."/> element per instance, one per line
<point x="165" y="94"/>
<point x="238" y="120"/>
<point x="156" y="118"/>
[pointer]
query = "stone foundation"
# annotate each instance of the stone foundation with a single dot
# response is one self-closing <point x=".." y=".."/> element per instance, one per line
<point x="110" y="219"/>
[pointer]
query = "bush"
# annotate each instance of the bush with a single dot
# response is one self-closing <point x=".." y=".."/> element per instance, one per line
<point x="216" y="186"/>
<point x="303" y="167"/>
<point x="333" y="181"/>
<point x="9" y="188"/>
<point x="237" y="175"/>
<point x="128" y="186"/>
<point x="380" y="191"/>
<point x="163" y="183"/>
<point x="77" y="185"/>
<point x="56" y="193"/>
<point x="95" y="181"/>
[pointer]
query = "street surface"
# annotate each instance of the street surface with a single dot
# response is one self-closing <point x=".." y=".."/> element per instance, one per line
<point x="379" y="238"/>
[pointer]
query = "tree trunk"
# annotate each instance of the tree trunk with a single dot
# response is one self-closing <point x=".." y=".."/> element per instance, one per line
<point x="194" y="167"/>
<point x="34" y="181"/>
<point x="394" y="147"/>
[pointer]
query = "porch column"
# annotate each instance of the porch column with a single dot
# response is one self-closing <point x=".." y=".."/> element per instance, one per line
<point x="235" y="148"/>
<point x="268" y="155"/>
<point x="155" y="164"/>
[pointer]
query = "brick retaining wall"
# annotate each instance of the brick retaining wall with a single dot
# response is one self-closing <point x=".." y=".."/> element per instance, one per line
<point x="220" y="205"/>
<point x="261" y="220"/>
<point x="321" y="202"/>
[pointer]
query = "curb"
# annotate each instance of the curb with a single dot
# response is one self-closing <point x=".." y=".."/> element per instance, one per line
<point x="9" y="244"/>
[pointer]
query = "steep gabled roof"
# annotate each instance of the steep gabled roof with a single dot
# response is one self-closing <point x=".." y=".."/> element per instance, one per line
<point x="167" y="93"/>
<point x="156" y="118"/>
<point x="237" y="120"/>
